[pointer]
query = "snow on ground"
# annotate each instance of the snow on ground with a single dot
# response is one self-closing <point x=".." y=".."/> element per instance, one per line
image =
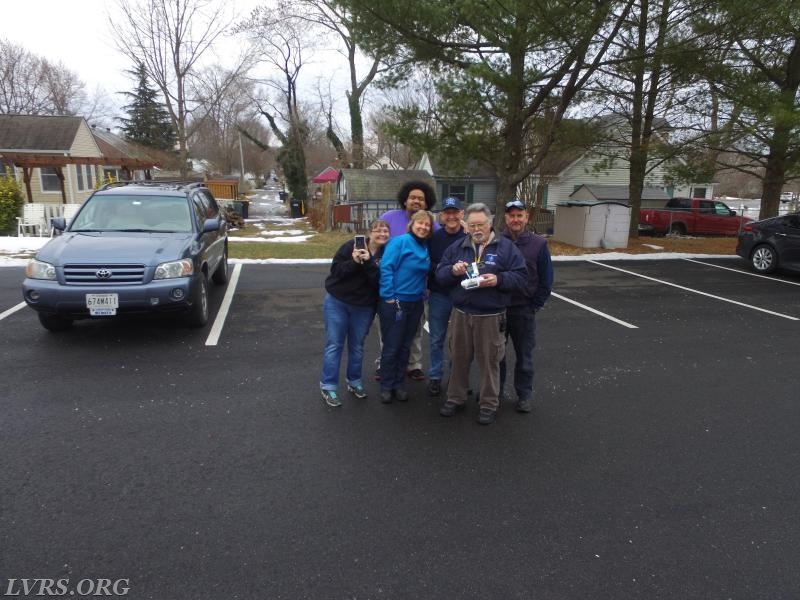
<point x="14" y="251"/>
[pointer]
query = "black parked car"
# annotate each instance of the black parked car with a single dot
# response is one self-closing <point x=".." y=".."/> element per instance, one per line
<point x="771" y="243"/>
<point x="132" y="248"/>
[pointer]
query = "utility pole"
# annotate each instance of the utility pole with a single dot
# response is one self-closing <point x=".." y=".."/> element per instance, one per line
<point x="241" y="163"/>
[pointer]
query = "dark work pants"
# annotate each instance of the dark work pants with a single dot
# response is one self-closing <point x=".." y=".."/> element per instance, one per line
<point x="521" y="328"/>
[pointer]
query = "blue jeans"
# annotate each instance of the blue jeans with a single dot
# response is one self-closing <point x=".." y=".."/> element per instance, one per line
<point x="439" y="308"/>
<point x="344" y="322"/>
<point x="521" y="328"/>
<point x="397" y="334"/>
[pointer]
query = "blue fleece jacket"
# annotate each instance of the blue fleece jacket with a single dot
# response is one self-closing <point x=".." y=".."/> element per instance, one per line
<point x="500" y="258"/>
<point x="404" y="268"/>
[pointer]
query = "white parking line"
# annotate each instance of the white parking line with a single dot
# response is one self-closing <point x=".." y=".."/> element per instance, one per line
<point x="216" y="328"/>
<point x="595" y="311"/>
<point x="680" y="287"/>
<point x="700" y="262"/>
<point x="11" y="311"/>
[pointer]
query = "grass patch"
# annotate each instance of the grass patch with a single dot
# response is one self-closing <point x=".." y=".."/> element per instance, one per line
<point x="325" y="245"/>
<point x="321" y="245"/>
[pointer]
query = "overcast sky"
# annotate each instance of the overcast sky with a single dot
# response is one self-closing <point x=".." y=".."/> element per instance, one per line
<point x="76" y="33"/>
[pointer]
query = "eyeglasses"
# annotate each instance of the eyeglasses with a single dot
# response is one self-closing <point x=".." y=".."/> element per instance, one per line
<point x="515" y="204"/>
<point x="477" y="225"/>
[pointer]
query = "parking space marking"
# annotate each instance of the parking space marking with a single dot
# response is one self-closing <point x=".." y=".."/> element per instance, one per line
<point x="693" y="291"/>
<point x="12" y="310"/>
<point x="595" y="311"/>
<point x="216" y="328"/>
<point x="700" y="262"/>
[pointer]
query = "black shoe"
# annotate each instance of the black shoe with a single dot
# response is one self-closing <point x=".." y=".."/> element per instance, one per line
<point x="486" y="416"/>
<point x="434" y="387"/>
<point x="400" y="395"/>
<point x="387" y="396"/>
<point x="449" y="408"/>
<point x="416" y="374"/>
<point x="523" y="406"/>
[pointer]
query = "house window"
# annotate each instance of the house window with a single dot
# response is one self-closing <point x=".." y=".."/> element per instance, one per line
<point x="111" y="174"/>
<point x="456" y="191"/>
<point x="699" y="192"/>
<point x="89" y="172"/>
<point x="6" y="168"/>
<point x="79" y="172"/>
<point x="49" y="179"/>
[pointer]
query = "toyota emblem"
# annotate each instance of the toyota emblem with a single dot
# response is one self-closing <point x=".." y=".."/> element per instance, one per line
<point x="103" y="274"/>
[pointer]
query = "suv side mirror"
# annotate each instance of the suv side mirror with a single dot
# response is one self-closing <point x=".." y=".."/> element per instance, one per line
<point x="211" y="225"/>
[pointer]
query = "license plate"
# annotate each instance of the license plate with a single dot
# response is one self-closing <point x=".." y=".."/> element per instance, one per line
<point x="102" y="305"/>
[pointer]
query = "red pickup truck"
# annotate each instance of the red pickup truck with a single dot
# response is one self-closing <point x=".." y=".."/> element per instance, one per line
<point x="690" y="216"/>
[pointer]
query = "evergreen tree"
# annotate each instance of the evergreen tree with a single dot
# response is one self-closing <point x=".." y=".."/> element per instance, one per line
<point x="149" y="123"/>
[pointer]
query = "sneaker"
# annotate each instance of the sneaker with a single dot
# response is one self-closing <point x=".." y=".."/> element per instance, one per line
<point x="387" y="396"/>
<point x="486" y="416"/>
<point x="331" y="398"/>
<point x="434" y="387"/>
<point x="416" y="374"/>
<point x="449" y="408"/>
<point x="523" y="405"/>
<point x="400" y="395"/>
<point x="357" y="391"/>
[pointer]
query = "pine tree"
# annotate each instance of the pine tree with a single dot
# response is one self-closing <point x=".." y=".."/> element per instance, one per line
<point x="149" y="123"/>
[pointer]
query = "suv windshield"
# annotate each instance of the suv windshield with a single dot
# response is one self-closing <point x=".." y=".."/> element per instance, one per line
<point x="133" y="213"/>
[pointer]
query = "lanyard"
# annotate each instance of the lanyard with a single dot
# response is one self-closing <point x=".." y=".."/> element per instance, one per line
<point x="480" y="254"/>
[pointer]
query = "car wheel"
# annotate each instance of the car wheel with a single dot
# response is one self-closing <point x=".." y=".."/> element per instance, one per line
<point x="54" y="322"/>
<point x="764" y="259"/>
<point x="677" y="229"/>
<point x="198" y="313"/>
<point x="220" y="275"/>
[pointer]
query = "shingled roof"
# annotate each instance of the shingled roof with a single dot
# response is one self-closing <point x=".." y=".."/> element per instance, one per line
<point x="379" y="184"/>
<point x="38" y="133"/>
<point x="117" y="149"/>
<point x="621" y="192"/>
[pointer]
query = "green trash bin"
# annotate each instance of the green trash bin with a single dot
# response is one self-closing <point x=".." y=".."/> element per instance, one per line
<point x="245" y="208"/>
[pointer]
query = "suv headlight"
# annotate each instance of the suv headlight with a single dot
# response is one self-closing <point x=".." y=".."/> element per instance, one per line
<point x="37" y="269"/>
<point x="175" y="268"/>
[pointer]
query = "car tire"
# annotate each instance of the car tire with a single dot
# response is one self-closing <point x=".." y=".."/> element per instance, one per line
<point x="220" y="275"/>
<point x="54" y="323"/>
<point x="677" y="229"/>
<point x="764" y="259"/>
<point x="198" y="312"/>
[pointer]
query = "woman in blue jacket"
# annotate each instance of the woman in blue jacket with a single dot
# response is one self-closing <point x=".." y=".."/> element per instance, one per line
<point x="403" y="276"/>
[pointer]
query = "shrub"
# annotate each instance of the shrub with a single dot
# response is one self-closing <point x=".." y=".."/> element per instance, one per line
<point x="11" y="201"/>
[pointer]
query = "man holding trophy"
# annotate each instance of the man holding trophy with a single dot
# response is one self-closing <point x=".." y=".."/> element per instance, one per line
<point x="480" y="272"/>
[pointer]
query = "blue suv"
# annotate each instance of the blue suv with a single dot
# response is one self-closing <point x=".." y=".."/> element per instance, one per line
<point x="133" y="247"/>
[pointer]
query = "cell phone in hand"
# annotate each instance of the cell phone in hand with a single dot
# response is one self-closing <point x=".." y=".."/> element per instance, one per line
<point x="361" y="242"/>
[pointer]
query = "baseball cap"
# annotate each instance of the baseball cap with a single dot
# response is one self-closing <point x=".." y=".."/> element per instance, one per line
<point x="451" y="202"/>
<point x="515" y="203"/>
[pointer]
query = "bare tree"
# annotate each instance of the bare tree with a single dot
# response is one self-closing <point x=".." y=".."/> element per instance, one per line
<point x="225" y="106"/>
<point x="169" y="37"/>
<point x="280" y="41"/>
<point x="32" y="85"/>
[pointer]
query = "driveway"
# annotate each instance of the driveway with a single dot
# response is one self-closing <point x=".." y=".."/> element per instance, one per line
<point x="660" y="460"/>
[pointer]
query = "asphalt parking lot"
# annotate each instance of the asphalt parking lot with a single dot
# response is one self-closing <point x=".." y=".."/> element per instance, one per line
<point x="660" y="460"/>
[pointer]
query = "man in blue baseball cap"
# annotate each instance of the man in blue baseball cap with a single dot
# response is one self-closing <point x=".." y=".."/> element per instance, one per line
<point x="439" y="303"/>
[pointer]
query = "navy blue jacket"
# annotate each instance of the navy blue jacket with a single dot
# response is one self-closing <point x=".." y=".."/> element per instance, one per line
<point x="500" y="258"/>
<point x="539" y="282"/>
<point x="437" y="244"/>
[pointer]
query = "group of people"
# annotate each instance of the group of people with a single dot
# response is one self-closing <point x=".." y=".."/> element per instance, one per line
<point x="484" y="287"/>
